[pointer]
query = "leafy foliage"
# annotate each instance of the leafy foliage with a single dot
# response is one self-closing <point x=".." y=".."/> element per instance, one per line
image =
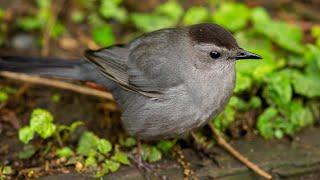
<point x="225" y="15"/>
<point x="288" y="68"/>
<point x="281" y="91"/>
<point x="196" y="14"/>
<point x="166" y="15"/>
<point x="41" y="123"/>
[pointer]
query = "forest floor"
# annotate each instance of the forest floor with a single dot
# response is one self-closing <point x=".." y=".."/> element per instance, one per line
<point x="289" y="158"/>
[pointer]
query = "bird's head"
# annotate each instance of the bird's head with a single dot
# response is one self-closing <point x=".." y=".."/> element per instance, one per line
<point x="216" y="43"/>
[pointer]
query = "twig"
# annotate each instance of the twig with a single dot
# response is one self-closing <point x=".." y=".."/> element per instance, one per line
<point x="56" y="83"/>
<point x="223" y="143"/>
<point x="186" y="166"/>
<point x="49" y="26"/>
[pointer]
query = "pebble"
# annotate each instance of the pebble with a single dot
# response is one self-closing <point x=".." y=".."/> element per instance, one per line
<point x="23" y="42"/>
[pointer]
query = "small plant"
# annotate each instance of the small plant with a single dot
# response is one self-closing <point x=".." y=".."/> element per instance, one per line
<point x="97" y="154"/>
<point x="41" y="123"/>
<point x="5" y="172"/>
<point x="5" y="92"/>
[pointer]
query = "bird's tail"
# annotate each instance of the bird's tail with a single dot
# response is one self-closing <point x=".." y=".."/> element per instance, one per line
<point x="49" y="67"/>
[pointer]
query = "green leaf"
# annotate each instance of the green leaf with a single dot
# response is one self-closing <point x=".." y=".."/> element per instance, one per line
<point x="315" y="31"/>
<point x="87" y="144"/>
<point x="40" y="115"/>
<point x="43" y="3"/>
<point x="256" y="70"/>
<point x="104" y="146"/>
<point x="90" y="161"/>
<point x="223" y="120"/>
<point x="298" y="115"/>
<point x="287" y="36"/>
<point x="57" y="30"/>
<point x="278" y="90"/>
<point x="41" y="122"/>
<point x="6" y="170"/>
<point x="150" y="153"/>
<point x="147" y="23"/>
<point x="233" y="16"/>
<point x="27" y="152"/>
<point x="26" y="134"/>
<point x="1" y="14"/>
<point x="264" y="123"/>
<point x="65" y="152"/>
<point x="155" y="155"/>
<point x="237" y="103"/>
<point x="121" y="157"/>
<point x="94" y="20"/>
<point x="195" y="15"/>
<point x="165" y="15"/>
<point x="128" y="142"/>
<point x="285" y="126"/>
<point x="56" y="97"/>
<point x="278" y="133"/>
<point x="244" y="82"/>
<point x="103" y="35"/>
<point x="171" y="9"/>
<point x="75" y="125"/>
<point x="3" y="96"/>
<point x="165" y="145"/>
<point x="255" y="102"/>
<point x="29" y="23"/>
<point x="111" y="165"/>
<point x="77" y="16"/>
<point x="111" y="9"/>
<point x="306" y="85"/>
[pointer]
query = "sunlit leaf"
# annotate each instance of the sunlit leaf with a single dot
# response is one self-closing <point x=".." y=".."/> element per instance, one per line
<point x="195" y="15"/>
<point x="285" y="35"/>
<point x="103" y="35"/>
<point x="65" y="152"/>
<point x="278" y="90"/>
<point x="264" y="123"/>
<point x="104" y="146"/>
<point x="41" y="122"/>
<point x="233" y="16"/>
<point x="113" y="166"/>
<point x="165" y="145"/>
<point x="166" y="15"/>
<point x="87" y="144"/>
<point x="111" y="9"/>
<point x="121" y="157"/>
<point x="26" y="133"/>
<point x="128" y="142"/>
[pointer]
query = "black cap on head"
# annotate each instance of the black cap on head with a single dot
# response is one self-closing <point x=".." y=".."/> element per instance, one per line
<point x="212" y="33"/>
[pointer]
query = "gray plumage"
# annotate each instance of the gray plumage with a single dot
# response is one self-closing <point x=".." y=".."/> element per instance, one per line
<point x="167" y="82"/>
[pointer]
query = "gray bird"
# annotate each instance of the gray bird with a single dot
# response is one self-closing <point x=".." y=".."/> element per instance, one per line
<point x="166" y="83"/>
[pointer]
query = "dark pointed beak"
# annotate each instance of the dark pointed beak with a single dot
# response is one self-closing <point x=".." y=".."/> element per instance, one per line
<point x="247" y="55"/>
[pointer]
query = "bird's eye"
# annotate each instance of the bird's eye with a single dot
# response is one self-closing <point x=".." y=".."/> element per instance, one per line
<point x="214" y="54"/>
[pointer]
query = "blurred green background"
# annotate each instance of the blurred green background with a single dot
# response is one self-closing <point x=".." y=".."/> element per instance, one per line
<point x="275" y="97"/>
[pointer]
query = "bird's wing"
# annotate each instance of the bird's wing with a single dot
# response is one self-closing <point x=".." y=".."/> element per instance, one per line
<point x="117" y="64"/>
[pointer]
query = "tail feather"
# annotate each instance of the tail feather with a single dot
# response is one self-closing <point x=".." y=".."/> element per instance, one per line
<point x="50" y="67"/>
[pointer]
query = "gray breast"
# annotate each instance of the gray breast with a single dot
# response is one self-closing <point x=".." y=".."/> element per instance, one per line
<point x="180" y="111"/>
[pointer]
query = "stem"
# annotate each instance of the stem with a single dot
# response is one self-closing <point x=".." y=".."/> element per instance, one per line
<point x="223" y="143"/>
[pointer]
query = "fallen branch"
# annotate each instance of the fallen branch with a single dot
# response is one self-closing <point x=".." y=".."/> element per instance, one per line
<point x="57" y="84"/>
<point x="223" y="143"/>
